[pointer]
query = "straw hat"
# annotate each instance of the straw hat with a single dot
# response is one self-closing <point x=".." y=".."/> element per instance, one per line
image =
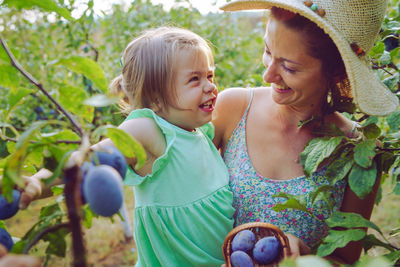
<point x="349" y="23"/>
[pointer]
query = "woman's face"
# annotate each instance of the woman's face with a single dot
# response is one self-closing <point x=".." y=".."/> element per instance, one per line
<point x="296" y="78"/>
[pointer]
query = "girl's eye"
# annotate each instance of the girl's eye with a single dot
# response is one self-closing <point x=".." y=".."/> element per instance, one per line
<point x="210" y="77"/>
<point x="194" y="79"/>
<point x="266" y="51"/>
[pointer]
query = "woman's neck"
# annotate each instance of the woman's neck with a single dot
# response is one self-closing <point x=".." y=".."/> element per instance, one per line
<point x="295" y="117"/>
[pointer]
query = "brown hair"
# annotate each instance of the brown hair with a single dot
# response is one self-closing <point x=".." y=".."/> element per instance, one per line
<point x="320" y="46"/>
<point x="148" y="72"/>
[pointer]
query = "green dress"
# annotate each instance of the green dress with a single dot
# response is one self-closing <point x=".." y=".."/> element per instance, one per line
<point x="183" y="210"/>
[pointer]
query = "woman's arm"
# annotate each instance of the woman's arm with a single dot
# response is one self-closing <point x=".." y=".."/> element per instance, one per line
<point x="352" y="203"/>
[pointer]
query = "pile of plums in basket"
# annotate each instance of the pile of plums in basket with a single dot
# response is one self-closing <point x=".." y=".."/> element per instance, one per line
<point x="247" y="250"/>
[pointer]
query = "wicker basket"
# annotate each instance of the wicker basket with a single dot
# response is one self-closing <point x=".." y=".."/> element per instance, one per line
<point x="260" y="230"/>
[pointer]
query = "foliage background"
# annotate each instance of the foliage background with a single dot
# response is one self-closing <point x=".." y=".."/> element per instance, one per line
<point x="47" y="45"/>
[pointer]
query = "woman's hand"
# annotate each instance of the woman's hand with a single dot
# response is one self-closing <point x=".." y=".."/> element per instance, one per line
<point x="297" y="247"/>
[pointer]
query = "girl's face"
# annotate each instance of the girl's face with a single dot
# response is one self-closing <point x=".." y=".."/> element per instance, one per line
<point x="295" y="77"/>
<point x="195" y="91"/>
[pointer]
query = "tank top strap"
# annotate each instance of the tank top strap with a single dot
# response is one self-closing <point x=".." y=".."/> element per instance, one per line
<point x="251" y="99"/>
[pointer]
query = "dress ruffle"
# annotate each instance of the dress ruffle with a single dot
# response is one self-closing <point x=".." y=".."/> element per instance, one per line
<point x="172" y="230"/>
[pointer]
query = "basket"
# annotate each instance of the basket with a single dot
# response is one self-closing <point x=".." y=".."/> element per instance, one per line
<point x="260" y="230"/>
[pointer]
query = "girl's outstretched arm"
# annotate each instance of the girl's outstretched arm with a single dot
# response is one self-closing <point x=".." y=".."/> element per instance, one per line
<point x="144" y="130"/>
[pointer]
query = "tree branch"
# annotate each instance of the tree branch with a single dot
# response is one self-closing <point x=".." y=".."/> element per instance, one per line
<point x="72" y="198"/>
<point x="30" y="78"/>
<point x="36" y="142"/>
<point x="43" y="233"/>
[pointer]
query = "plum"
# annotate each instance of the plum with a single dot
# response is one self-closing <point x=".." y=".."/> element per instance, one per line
<point x="7" y="210"/>
<point x="85" y="168"/>
<point x="102" y="189"/>
<point x="244" y="241"/>
<point x="6" y="239"/>
<point x="110" y="156"/>
<point x="267" y="250"/>
<point x="241" y="259"/>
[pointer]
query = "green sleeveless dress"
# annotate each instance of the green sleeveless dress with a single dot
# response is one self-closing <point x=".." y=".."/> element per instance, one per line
<point x="183" y="210"/>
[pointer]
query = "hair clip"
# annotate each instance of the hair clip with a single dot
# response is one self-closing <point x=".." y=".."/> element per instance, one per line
<point x="120" y="62"/>
<point x="357" y="49"/>
<point x="314" y="7"/>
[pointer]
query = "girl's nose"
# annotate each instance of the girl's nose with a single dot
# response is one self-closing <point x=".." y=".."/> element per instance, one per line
<point x="209" y="87"/>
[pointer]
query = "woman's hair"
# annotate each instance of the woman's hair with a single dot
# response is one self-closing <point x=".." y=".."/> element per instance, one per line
<point x="148" y="73"/>
<point x="320" y="46"/>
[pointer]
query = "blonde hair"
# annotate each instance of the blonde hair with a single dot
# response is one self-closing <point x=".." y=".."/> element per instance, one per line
<point x="148" y="72"/>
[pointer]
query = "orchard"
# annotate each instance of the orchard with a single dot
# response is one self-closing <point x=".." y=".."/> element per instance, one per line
<point x="55" y="66"/>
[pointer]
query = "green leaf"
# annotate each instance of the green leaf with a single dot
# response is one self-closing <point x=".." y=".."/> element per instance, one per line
<point x="393" y="121"/>
<point x="12" y="169"/>
<point x="87" y="216"/>
<point x="9" y="76"/>
<point x="371" y="131"/>
<point x="370" y="261"/>
<point x="57" y="244"/>
<point x="364" y="153"/>
<point x="338" y="239"/>
<point x="362" y="180"/>
<point x="87" y="67"/>
<point x="45" y="5"/>
<point x="396" y="189"/>
<point x="127" y="145"/>
<point x="339" y="168"/>
<point x="393" y="256"/>
<point x="322" y="192"/>
<point x="371" y="241"/>
<point x="305" y="261"/>
<point x="291" y="203"/>
<point x="317" y="150"/>
<point x="52" y="209"/>
<point x="73" y="98"/>
<point x="15" y="96"/>
<point x="57" y="190"/>
<point x="350" y="220"/>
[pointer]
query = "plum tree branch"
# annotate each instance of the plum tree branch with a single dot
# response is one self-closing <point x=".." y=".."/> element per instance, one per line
<point x="43" y="233"/>
<point x="38" y="142"/>
<point x="31" y="79"/>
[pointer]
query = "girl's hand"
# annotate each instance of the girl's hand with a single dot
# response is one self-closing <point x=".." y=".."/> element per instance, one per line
<point x="297" y="247"/>
<point x="7" y="260"/>
<point x="33" y="187"/>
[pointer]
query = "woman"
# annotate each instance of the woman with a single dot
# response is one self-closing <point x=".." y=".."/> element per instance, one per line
<point x="312" y="71"/>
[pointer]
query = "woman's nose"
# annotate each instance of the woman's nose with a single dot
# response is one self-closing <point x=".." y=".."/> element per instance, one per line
<point x="271" y="74"/>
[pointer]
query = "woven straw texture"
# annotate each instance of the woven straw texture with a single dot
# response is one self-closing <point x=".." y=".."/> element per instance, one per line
<point x="346" y="22"/>
<point x="260" y="230"/>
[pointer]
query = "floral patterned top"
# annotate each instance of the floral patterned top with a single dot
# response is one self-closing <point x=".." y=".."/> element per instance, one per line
<point x="253" y="193"/>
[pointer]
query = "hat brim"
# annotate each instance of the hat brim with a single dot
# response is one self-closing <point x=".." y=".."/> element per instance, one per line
<point x="370" y="94"/>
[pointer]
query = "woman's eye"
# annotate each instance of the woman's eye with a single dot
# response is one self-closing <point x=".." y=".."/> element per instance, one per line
<point x="289" y="70"/>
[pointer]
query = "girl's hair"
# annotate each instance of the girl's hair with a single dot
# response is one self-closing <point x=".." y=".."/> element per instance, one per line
<point x="320" y="46"/>
<point x="149" y="61"/>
